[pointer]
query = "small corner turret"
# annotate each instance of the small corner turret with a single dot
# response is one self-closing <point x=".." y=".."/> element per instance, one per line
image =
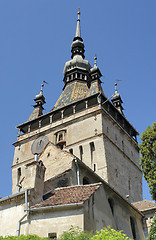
<point x="38" y="107"/>
<point x="117" y="101"/>
<point x="95" y="72"/>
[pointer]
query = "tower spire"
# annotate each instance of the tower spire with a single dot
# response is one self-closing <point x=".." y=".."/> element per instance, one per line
<point x="77" y="44"/>
<point x="78" y="32"/>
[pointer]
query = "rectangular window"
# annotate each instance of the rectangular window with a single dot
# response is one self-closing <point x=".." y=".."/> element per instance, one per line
<point x="81" y="152"/>
<point x="52" y="235"/>
<point x="95" y="167"/>
<point x="18" y="174"/>
<point x="60" y="137"/>
<point x="92" y="149"/>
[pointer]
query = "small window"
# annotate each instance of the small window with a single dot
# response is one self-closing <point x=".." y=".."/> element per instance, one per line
<point x="111" y="204"/>
<point x="52" y="235"/>
<point x="133" y="227"/>
<point x="95" y="168"/>
<point x="71" y="150"/>
<point x="81" y="152"/>
<point x="92" y="149"/>
<point x="60" y="137"/>
<point x="18" y="174"/>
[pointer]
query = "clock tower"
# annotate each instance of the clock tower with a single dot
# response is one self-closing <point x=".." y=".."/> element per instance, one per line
<point x="85" y="123"/>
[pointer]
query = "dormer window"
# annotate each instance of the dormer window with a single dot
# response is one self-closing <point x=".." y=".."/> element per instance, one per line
<point x="61" y="139"/>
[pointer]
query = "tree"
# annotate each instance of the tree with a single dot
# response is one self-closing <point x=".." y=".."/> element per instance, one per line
<point x="148" y="157"/>
<point x="104" y="234"/>
<point x="110" y="234"/>
<point x="152" y="234"/>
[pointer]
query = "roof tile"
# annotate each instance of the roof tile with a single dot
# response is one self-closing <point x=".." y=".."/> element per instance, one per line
<point x="68" y="195"/>
<point x="144" y="205"/>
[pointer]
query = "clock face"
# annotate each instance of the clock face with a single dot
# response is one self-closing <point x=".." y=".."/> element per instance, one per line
<point x="39" y="144"/>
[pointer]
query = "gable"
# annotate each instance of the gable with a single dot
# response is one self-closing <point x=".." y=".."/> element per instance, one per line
<point x="55" y="160"/>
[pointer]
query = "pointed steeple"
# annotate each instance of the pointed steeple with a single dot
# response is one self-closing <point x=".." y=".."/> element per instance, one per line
<point x="95" y="71"/>
<point x="117" y="101"/>
<point x="77" y="44"/>
<point x="40" y="99"/>
<point x="38" y="107"/>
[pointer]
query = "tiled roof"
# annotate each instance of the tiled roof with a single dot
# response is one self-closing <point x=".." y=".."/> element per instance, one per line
<point x="68" y="195"/>
<point x="144" y="205"/>
<point x="75" y="91"/>
<point x="36" y="113"/>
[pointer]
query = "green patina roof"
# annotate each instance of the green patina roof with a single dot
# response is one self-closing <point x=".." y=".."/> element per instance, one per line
<point x="75" y="91"/>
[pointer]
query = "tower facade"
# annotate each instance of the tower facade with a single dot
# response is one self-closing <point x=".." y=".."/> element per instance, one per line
<point x="86" y="124"/>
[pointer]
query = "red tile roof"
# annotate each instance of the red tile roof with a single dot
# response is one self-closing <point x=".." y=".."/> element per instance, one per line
<point x="144" y="205"/>
<point x="68" y="195"/>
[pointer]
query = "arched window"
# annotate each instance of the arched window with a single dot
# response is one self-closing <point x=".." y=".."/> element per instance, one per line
<point x="68" y="111"/>
<point x="111" y="204"/>
<point x="80" y="106"/>
<point x="56" y="116"/>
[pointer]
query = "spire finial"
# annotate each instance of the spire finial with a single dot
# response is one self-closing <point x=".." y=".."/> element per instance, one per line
<point x="42" y="85"/>
<point x="78" y="34"/>
<point x="78" y="13"/>
<point x="95" y="60"/>
<point x="116" y="91"/>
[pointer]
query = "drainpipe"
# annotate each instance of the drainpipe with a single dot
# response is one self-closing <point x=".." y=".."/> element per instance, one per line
<point x="77" y="171"/>
<point x="26" y="213"/>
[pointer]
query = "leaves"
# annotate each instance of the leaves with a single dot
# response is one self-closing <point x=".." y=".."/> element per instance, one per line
<point x="75" y="233"/>
<point x="104" y="234"/>
<point x="110" y="234"/>
<point x="148" y="157"/>
<point x="78" y="234"/>
<point x="152" y="234"/>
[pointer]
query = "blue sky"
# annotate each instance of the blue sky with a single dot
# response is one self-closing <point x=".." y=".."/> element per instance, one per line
<point x="35" y="40"/>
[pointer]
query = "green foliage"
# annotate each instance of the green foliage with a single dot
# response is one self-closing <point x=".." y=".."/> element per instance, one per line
<point x="23" y="237"/>
<point x="152" y="234"/>
<point x="110" y="234"/>
<point x="75" y="233"/>
<point x="104" y="234"/>
<point x="148" y="157"/>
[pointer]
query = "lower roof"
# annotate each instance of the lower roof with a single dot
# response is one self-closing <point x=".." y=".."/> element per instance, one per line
<point x="145" y="205"/>
<point x="68" y="195"/>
